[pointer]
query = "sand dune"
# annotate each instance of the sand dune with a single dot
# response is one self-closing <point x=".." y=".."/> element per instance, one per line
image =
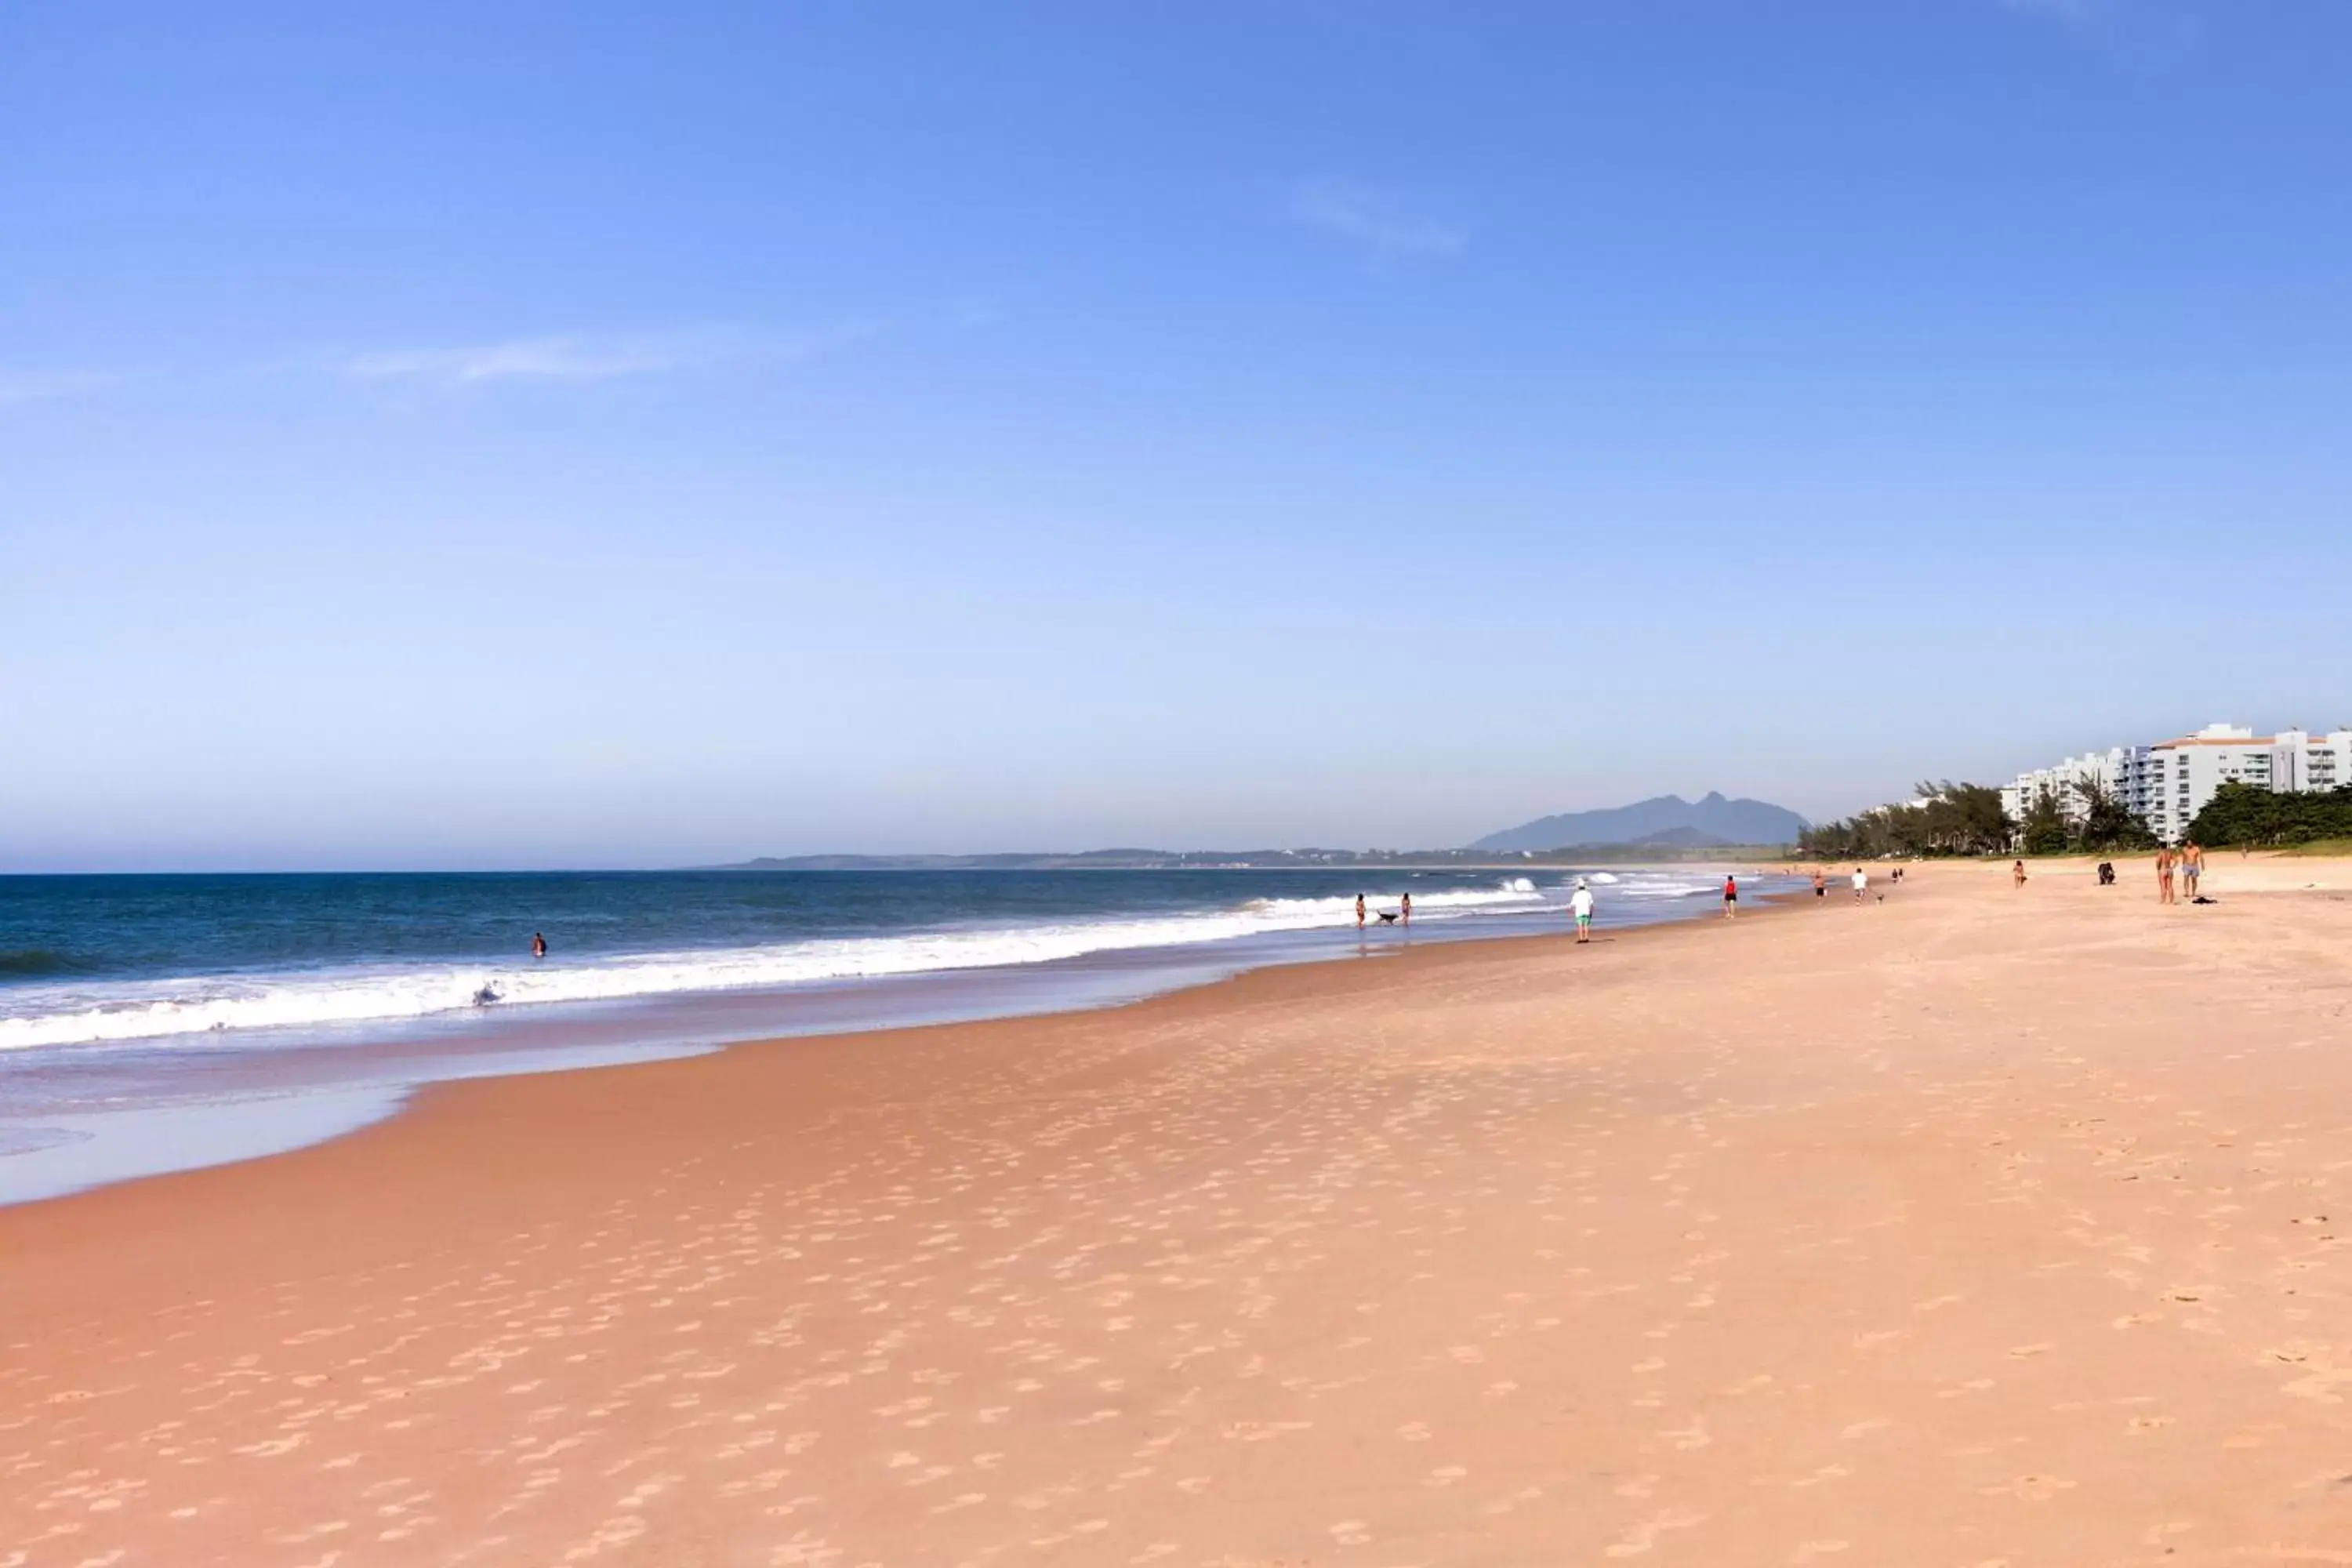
<point x="1970" y="1227"/>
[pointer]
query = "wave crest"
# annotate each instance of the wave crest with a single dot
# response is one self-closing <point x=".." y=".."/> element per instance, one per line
<point x="159" y="1009"/>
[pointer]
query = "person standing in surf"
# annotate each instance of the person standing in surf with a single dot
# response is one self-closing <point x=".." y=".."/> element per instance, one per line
<point x="538" y="944"/>
<point x="1404" y="909"/>
<point x="1360" y="911"/>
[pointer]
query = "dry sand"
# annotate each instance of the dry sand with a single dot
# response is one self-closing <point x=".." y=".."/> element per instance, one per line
<point x="1969" y="1228"/>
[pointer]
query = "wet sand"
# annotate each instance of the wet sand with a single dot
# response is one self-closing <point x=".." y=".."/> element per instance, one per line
<point x="1974" y="1226"/>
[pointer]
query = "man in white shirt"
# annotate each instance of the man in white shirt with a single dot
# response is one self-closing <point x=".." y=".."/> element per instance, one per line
<point x="1861" y="883"/>
<point x="1581" y="902"/>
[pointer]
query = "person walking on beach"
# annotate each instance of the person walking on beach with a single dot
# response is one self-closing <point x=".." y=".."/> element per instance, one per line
<point x="1579" y="904"/>
<point x="1820" y="884"/>
<point x="1861" y="883"/>
<point x="2165" y="862"/>
<point x="1360" y="911"/>
<point x="2192" y="866"/>
<point x="538" y="944"/>
<point x="2017" y="873"/>
<point x="1730" y="896"/>
<point x="1404" y="909"/>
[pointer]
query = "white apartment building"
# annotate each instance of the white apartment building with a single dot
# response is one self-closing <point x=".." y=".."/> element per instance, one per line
<point x="2120" y="770"/>
<point x="2167" y="785"/>
<point x="2184" y="774"/>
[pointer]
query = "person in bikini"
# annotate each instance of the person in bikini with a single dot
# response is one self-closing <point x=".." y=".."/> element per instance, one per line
<point x="2165" y="862"/>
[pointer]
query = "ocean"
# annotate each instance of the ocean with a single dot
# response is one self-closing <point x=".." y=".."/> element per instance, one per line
<point x="155" y="1023"/>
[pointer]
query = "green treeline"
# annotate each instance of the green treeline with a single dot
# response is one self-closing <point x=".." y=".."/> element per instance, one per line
<point x="1967" y="819"/>
<point x="2248" y="815"/>
<point x="1950" y="819"/>
<point x="2101" y="825"/>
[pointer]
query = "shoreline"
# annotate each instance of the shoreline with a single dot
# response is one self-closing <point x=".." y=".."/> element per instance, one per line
<point x="253" y="1097"/>
<point x="377" y="1104"/>
<point x="1977" y="1223"/>
<point x="151" y="1206"/>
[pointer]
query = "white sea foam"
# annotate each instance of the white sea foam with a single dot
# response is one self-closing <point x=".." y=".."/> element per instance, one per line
<point x="60" y="1015"/>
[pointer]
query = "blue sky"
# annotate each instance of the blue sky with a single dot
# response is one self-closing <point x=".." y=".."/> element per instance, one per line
<point x="598" y="434"/>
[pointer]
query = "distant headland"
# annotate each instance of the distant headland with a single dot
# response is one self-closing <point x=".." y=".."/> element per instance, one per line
<point x="1666" y="828"/>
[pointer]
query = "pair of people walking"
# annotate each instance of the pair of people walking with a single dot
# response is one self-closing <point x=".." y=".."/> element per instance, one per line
<point x="2178" y="870"/>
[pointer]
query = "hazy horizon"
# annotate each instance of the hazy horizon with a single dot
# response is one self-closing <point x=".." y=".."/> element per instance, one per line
<point x="590" y="437"/>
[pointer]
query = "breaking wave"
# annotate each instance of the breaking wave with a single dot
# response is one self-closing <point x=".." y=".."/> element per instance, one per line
<point x="158" y="1009"/>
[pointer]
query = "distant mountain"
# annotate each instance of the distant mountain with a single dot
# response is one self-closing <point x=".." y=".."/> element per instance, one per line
<point x="1665" y="827"/>
<point x="1087" y="859"/>
<point x="1683" y="838"/>
<point x="1667" y="820"/>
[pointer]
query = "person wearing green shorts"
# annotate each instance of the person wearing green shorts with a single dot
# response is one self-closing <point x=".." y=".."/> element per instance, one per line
<point x="1581" y="901"/>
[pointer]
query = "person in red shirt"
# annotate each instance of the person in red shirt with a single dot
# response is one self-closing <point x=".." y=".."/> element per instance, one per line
<point x="1730" y="896"/>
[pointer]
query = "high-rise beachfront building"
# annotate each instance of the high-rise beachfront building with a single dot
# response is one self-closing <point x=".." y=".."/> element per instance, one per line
<point x="2167" y="783"/>
<point x="2122" y="771"/>
<point x="2184" y="774"/>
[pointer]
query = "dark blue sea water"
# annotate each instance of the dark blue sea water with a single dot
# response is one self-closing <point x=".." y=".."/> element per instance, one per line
<point x="147" y="1022"/>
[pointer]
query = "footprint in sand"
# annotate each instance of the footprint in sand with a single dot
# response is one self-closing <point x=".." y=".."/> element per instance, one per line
<point x="1695" y="1435"/>
<point x="1637" y="1540"/>
<point x="2029" y="1488"/>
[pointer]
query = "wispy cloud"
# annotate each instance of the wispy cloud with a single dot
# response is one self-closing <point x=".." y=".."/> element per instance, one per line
<point x="2074" y="11"/>
<point x="21" y="386"/>
<point x="568" y="356"/>
<point x="584" y="358"/>
<point x="2150" y="36"/>
<point x="1374" y="219"/>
